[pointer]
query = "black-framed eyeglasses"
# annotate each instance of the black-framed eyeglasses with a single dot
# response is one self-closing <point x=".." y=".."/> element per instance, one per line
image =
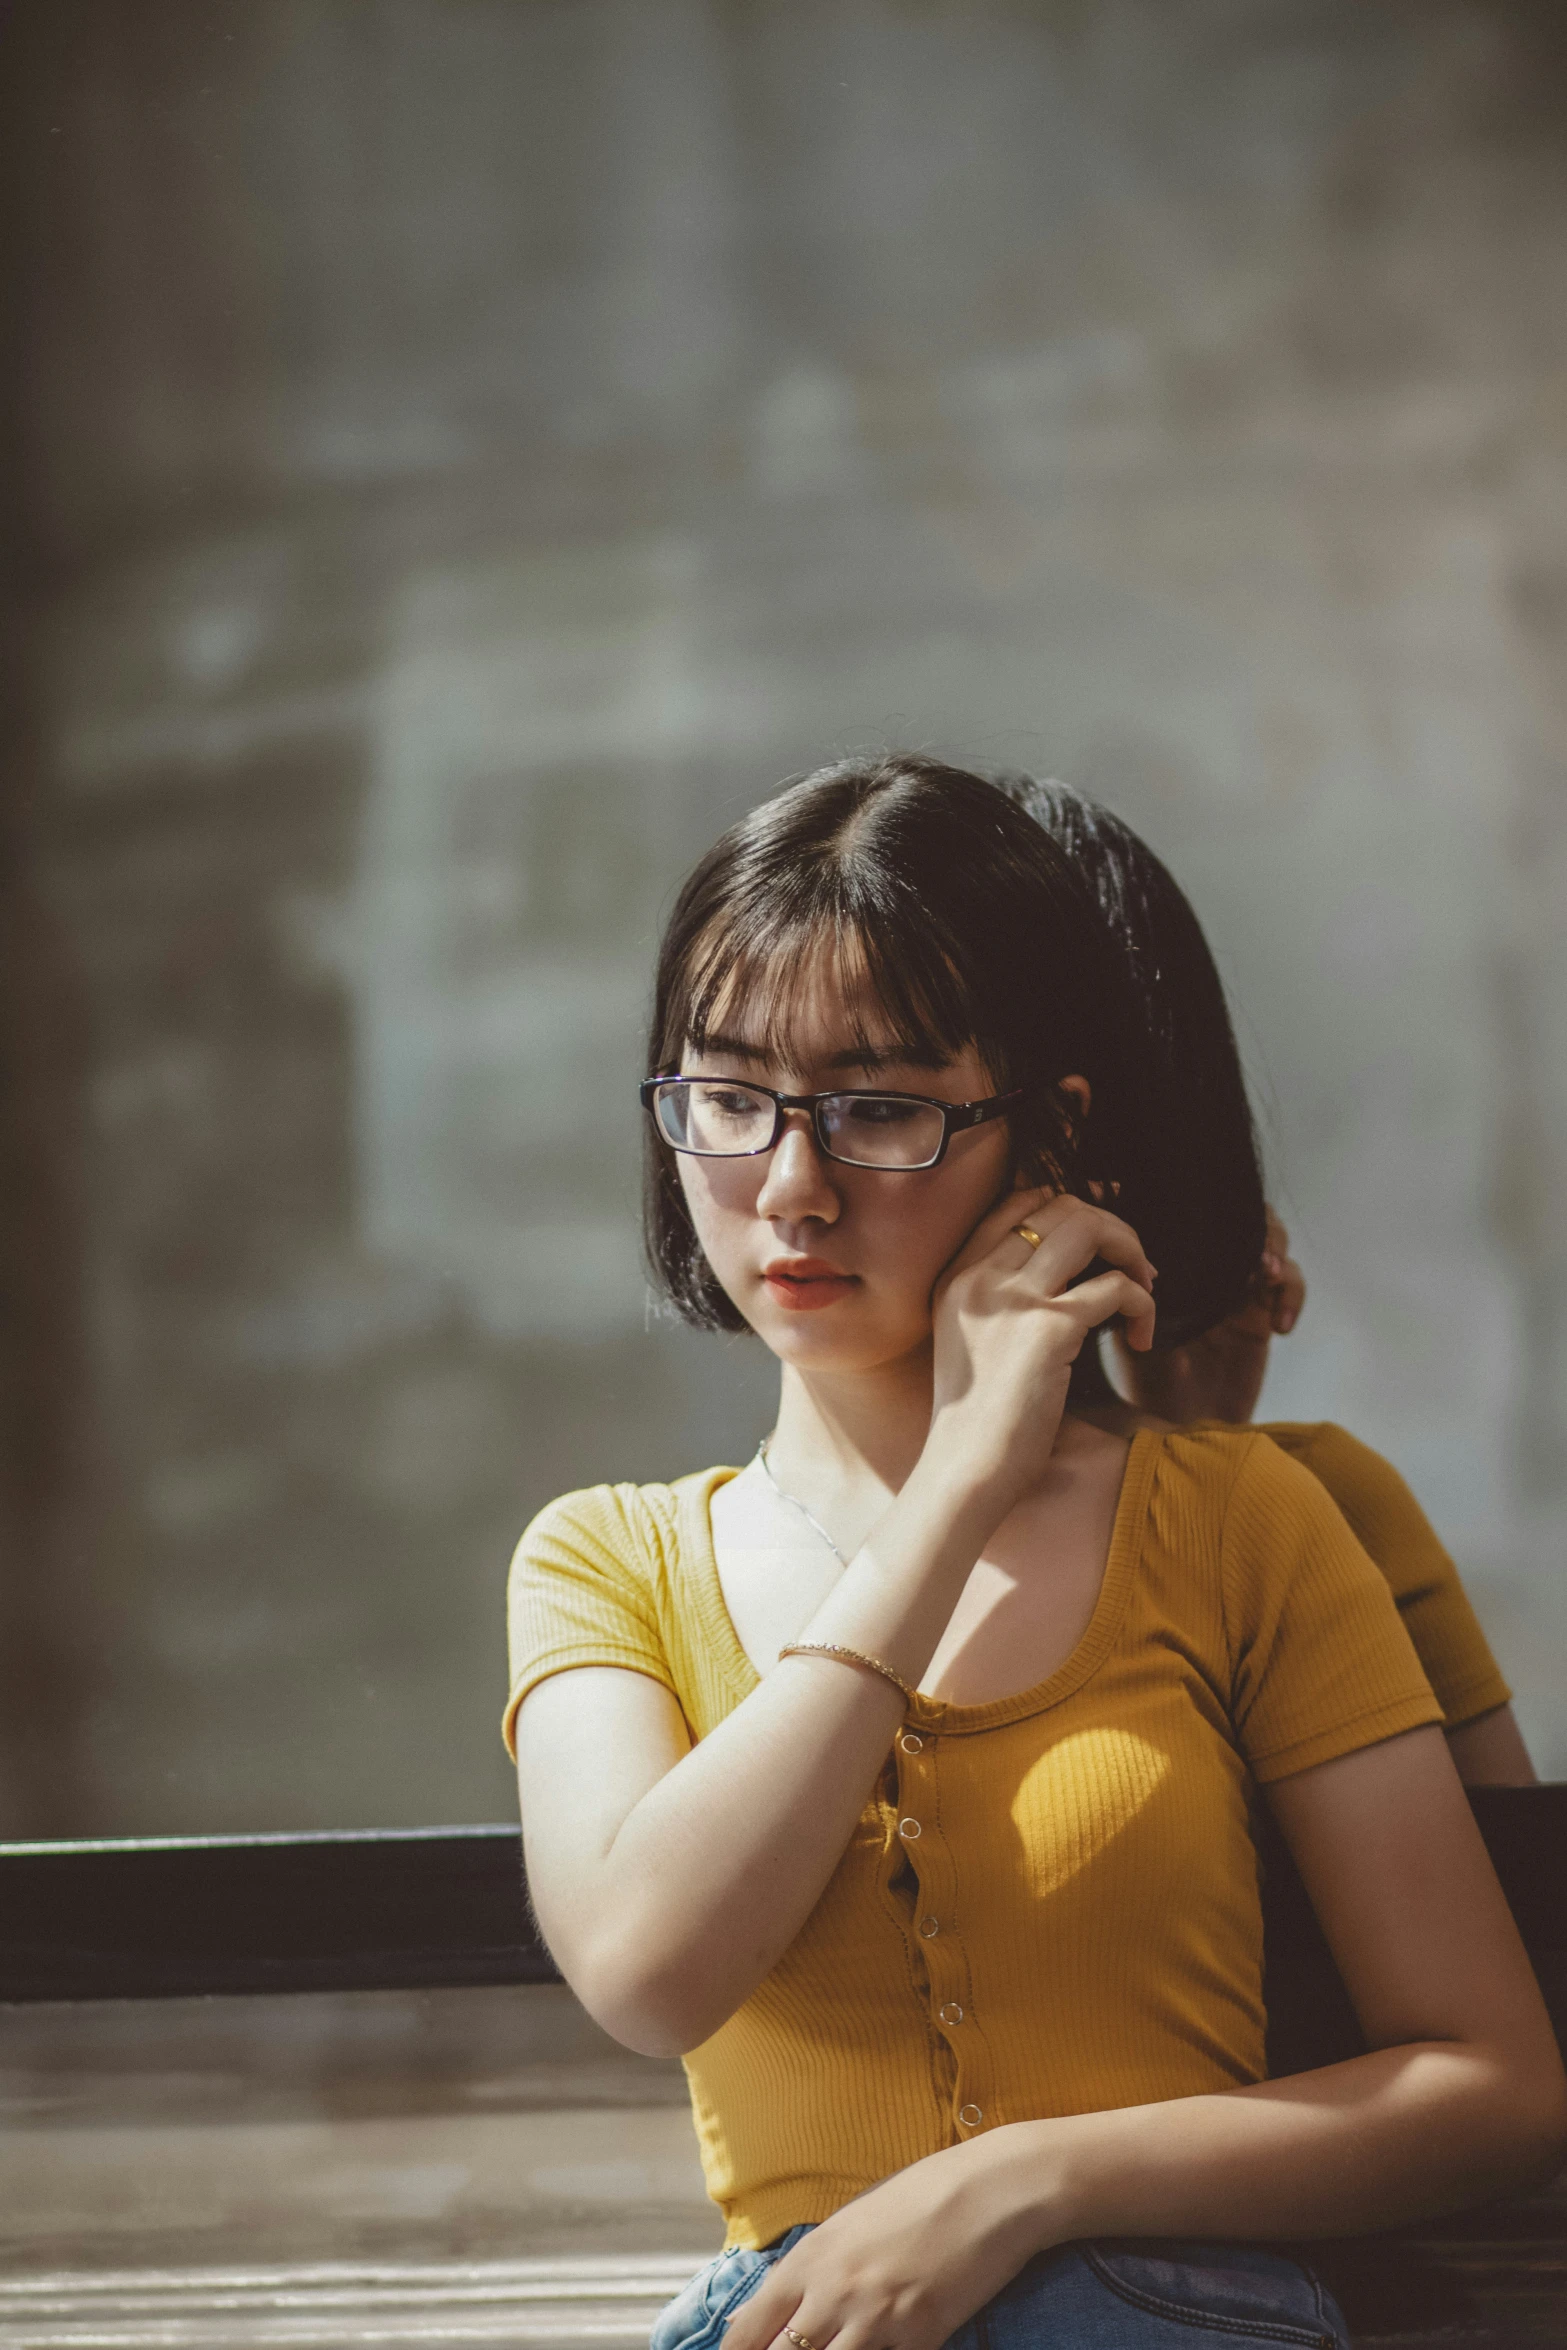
<point x="730" y="1118"/>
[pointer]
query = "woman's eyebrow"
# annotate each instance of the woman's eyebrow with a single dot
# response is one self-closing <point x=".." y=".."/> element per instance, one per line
<point x="734" y="1047"/>
<point x="869" y="1057"/>
<point x="875" y="1056"/>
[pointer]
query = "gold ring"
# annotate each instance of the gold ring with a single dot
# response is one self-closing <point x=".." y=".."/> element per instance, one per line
<point x="799" y="2340"/>
<point x="1027" y="1232"/>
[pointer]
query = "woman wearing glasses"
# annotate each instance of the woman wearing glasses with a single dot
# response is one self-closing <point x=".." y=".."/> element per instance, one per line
<point x="905" y="1781"/>
<point x="1215" y="1370"/>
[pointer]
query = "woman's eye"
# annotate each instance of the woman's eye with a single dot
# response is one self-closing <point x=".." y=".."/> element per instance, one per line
<point x="725" y="1102"/>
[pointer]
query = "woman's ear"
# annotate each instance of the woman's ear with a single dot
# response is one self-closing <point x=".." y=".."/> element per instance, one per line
<point x="1081" y="1093"/>
<point x="1077" y="1099"/>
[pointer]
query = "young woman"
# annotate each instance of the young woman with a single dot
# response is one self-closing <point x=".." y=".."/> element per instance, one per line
<point x="904" y="1782"/>
<point x="1193" y="1072"/>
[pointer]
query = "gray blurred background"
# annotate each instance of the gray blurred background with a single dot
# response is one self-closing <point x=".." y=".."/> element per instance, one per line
<point x="466" y="452"/>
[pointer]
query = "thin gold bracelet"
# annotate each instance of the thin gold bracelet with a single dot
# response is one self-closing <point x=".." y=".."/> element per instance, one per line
<point x="852" y="1656"/>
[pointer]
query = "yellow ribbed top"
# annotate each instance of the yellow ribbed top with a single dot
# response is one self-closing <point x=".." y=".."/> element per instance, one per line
<point x="1397" y="1536"/>
<point x="1050" y="1902"/>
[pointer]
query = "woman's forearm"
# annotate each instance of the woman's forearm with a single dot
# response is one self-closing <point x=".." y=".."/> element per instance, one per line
<point x="712" y="1872"/>
<point x="1385" y="2138"/>
<point x="1374" y="2142"/>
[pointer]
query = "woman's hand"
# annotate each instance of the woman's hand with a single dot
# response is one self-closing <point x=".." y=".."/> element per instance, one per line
<point x="1010" y="1320"/>
<point x="1219" y="1376"/>
<point x="904" y="2266"/>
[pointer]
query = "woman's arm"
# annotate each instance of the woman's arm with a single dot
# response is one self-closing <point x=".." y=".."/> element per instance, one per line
<point x="670" y="1879"/>
<point x="1463" y="2093"/>
<point x="1461" y="2097"/>
<point x="1490" y="1752"/>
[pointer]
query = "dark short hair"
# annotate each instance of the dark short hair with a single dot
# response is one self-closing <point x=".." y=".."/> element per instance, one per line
<point x="963" y="922"/>
<point x="1190" y="1081"/>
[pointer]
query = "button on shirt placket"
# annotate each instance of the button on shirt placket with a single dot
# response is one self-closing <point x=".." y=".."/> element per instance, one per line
<point x="937" y="1926"/>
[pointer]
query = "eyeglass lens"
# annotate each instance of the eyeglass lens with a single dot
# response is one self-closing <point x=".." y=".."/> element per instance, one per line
<point x="865" y="1130"/>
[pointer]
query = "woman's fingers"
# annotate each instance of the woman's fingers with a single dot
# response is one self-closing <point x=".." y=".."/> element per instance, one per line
<point x="1095" y="1301"/>
<point x="757" y="2324"/>
<point x="760" y="2321"/>
<point x="1019" y="1207"/>
<point x="1071" y="1237"/>
<point x="1067" y="1236"/>
<point x="850" y="2333"/>
<point x="821" y="2327"/>
<point x="1074" y="1231"/>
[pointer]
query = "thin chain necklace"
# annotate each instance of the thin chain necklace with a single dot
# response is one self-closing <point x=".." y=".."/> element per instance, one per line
<point x="795" y="1502"/>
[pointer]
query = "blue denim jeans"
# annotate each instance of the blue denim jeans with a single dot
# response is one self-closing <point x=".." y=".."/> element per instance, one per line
<point x="1127" y="2294"/>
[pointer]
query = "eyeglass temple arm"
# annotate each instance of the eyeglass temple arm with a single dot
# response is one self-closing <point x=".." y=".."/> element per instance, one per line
<point x="980" y="1113"/>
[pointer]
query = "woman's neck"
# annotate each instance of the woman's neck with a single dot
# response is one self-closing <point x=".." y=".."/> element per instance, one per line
<point x="854" y="1428"/>
<point x="867" y="1429"/>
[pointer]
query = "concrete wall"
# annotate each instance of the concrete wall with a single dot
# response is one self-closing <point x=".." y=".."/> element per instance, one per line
<point x="473" y="450"/>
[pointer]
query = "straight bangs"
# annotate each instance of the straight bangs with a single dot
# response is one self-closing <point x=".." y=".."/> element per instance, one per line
<point x="757" y="973"/>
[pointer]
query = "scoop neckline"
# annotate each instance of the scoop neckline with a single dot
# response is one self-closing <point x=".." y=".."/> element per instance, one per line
<point x="700" y="1561"/>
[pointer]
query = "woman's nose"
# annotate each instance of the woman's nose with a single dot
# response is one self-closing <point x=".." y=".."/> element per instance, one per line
<point x="797" y="1183"/>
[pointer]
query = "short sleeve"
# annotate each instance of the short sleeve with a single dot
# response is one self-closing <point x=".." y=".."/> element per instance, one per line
<point x="1320" y="1663"/>
<point x="582" y="1592"/>
<point x="1401" y="1542"/>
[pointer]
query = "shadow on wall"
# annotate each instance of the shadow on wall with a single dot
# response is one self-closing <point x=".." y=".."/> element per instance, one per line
<point x="471" y="453"/>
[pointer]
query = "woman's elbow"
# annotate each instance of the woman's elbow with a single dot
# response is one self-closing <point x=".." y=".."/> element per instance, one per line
<point x="640" y="2021"/>
<point x="651" y="2008"/>
<point x="1543" y="2125"/>
<point x="638" y="2026"/>
<point x="1529" y="2101"/>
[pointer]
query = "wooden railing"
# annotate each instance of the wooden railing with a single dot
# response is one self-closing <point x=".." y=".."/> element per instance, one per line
<point x="447" y="1907"/>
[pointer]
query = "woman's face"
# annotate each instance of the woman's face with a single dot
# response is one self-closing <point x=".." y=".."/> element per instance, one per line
<point x="833" y="1266"/>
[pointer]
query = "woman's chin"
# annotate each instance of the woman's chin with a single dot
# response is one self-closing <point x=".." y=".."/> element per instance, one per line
<point x="835" y="1339"/>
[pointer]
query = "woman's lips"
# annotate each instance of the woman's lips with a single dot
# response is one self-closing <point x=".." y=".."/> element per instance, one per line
<point x="801" y="1288"/>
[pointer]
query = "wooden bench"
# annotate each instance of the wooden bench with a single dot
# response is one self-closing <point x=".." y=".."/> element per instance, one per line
<point x="448" y="1907"/>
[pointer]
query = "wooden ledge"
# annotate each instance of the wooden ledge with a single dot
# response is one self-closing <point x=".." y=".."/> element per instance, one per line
<point x="609" y="2300"/>
<point x="447" y="1908"/>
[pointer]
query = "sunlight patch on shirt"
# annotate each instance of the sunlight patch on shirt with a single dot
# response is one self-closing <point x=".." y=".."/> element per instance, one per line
<point x="1080" y="1796"/>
